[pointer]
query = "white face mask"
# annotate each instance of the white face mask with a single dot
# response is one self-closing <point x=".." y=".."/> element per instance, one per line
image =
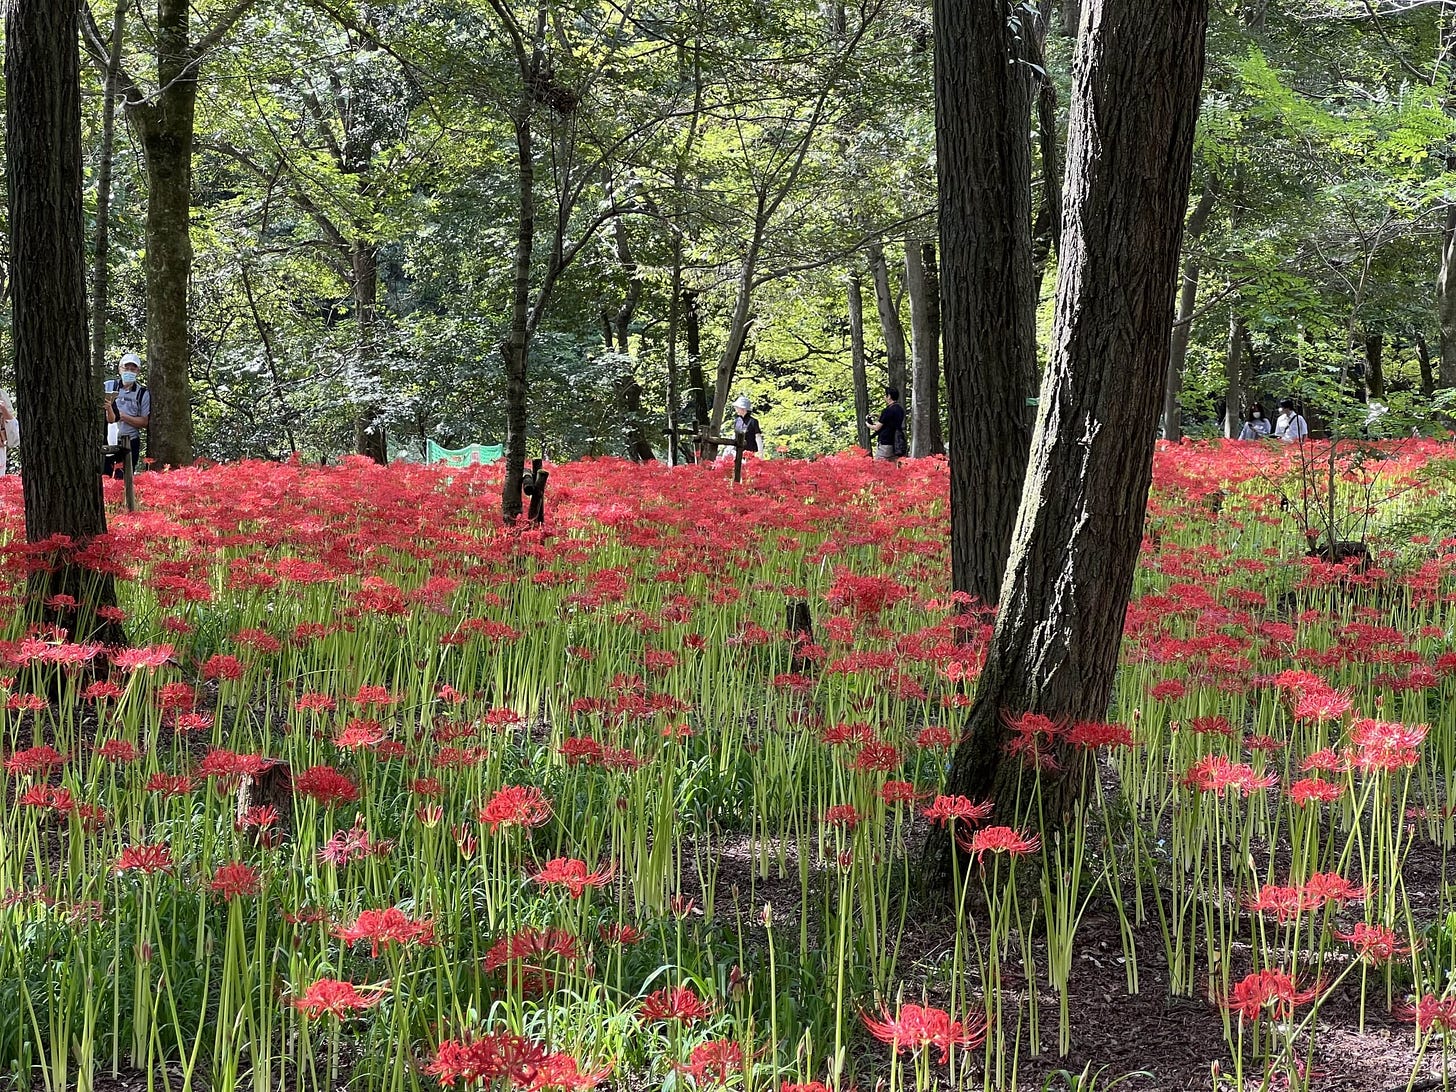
<point x="128" y="378"/>
<point x="1257" y="415"/>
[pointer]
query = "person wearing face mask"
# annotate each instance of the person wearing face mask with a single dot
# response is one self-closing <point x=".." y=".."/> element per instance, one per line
<point x="1257" y="425"/>
<point x="129" y="407"/>
<point x="9" y="429"/>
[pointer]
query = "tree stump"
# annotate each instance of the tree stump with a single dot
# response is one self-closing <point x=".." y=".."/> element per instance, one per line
<point x="800" y="624"/>
<point x="272" y="788"/>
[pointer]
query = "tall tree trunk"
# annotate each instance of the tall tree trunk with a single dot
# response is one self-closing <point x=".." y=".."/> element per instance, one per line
<point x="370" y="436"/>
<point x="1374" y="365"/>
<point x="101" y="260"/>
<point x="516" y="346"/>
<point x="1423" y="355"/>
<point x="890" y="324"/>
<point x="61" y="485"/>
<point x="165" y="123"/>
<point x="674" y="321"/>
<point x="1071" y="17"/>
<point x="693" y="334"/>
<point x="1047" y="229"/>
<point x="628" y="390"/>
<point x="1183" y="319"/>
<point x="922" y="284"/>
<point x="1136" y="87"/>
<point x="1233" y="414"/>
<point x="988" y="295"/>
<point x="1446" y="296"/>
<point x="857" y="362"/>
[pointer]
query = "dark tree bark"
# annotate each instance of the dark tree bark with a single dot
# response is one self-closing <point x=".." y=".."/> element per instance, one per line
<point x="516" y="346"/>
<point x="857" y="362"/>
<point x="890" y="325"/>
<point x="1374" y="365"/>
<point x="922" y="283"/>
<point x="61" y="482"/>
<point x="1446" y="277"/>
<point x="1071" y="17"/>
<point x="101" y="259"/>
<point x="1136" y="87"/>
<point x="674" y="387"/>
<point x="628" y="390"/>
<point x="1183" y="319"/>
<point x="693" y="334"/>
<point x="1423" y="355"/>
<point x="988" y="294"/>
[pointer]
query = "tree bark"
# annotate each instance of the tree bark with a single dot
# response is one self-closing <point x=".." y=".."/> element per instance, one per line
<point x="1374" y="365"/>
<point x="890" y="324"/>
<point x="1137" y="81"/>
<point x="1233" y="414"/>
<point x="674" y="321"/>
<point x="1047" y="230"/>
<point x="629" y="391"/>
<point x="516" y="346"/>
<point x="1423" y="355"/>
<point x="857" y="362"/>
<point x="1183" y="319"/>
<point x="922" y="284"/>
<point x="1071" y="18"/>
<point x="61" y="483"/>
<point x="1446" y="277"/>
<point x="370" y="436"/>
<point x="101" y="259"/>
<point x="988" y="294"/>
<point x="693" y="333"/>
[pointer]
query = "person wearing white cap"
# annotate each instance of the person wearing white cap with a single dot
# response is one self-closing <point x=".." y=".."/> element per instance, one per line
<point x="9" y="429"/>
<point x="746" y="425"/>
<point x="129" y="407"/>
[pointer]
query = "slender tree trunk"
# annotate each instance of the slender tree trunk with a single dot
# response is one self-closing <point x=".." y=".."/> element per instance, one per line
<point x="988" y="294"/>
<point x="1183" y="319"/>
<point x="740" y="322"/>
<point x="1374" y="365"/>
<point x="692" y="331"/>
<point x="1423" y="354"/>
<point x="922" y="284"/>
<point x="1136" y="87"/>
<point x="1047" y="229"/>
<point x="370" y="436"/>
<point x="516" y="346"/>
<point x="101" y="261"/>
<point x="1446" y="298"/>
<point x="629" y="391"/>
<point x="857" y="362"/>
<point x="1233" y="415"/>
<point x="890" y="324"/>
<point x="674" y="320"/>
<point x="60" y="484"/>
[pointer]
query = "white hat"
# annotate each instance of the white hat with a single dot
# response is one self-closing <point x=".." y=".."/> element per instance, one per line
<point x="132" y="359"/>
<point x="743" y="402"/>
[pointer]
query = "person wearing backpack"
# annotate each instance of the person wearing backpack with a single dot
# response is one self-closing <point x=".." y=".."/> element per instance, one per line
<point x="9" y="429"/>
<point x="889" y="428"/>
<point x="129" y="407"/>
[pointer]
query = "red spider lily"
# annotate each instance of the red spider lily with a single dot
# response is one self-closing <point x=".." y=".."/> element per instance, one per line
<point x="877" y="758"/>
<point x="807" y="1086"/>
<point x="956" y="809"/>
<point x="898" y="792"/>
<point x="235" y="880"/>
<point x="1332" y="887"/>
<point x="1092" y="734"/>
<point x="936" y="736"/>
<point x="34" y="760"/>
<point x="714" y="1062"/>
<point x="842" y="815"/>
<point x="360" y="733"/>
<point x="228" y="765"/>
<point x="1313" y="790"/>
<point x="580" y="749"/>
<point x="220" y="665"/>
<point x="501" y="1056"/>
<point x="915" y="1027"/>
<point x="674" y="1003"/>
<point x="837" y="734"/>
<point x="176" y="696"/>
<point x="325" y="785"/>
<point x="998" y="840"/>
<point x="318" y="703"/>
<point x="1429" y="1012"/>
<point x="170" y="784"/>
<point x="388" y="926"/>
<point x="257" y="817"/>
<point x="1217" y="775"/>
<point x="102" y="690"/>
<point x="335" y="997"/>
<point x="146" y="859"/>
<point x="1210" y="726"/>
<point x="48" y="797"/>
<point x="192" y="722"/>
<point x="1375" y="944"/>
<point x="150" y="658"/>
<point x="119" y="751"/>
<point x="1324" y="760"/>
<point x="516" y="806"/>
<point x="354" y="844"/>
<point x="529" y="943"/>
<point x="572" y="874"/>
<point x="1270" y="992"/>
<point x="1321" y="705"/>
<point x="619" y="933"/>
<point x="374" y="695"/>
<point x="1378" y="746"/>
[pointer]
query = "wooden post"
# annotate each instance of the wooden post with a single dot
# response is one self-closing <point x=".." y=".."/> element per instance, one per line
<point x="126" y="477"/>
<point x="739" y="446"/>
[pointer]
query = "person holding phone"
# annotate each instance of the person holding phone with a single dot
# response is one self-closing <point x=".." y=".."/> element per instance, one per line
<point x="129" y="407"/>
<point x="888" y="428"/>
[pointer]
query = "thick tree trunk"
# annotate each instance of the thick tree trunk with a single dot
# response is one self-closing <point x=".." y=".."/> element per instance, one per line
<point x="1071" y="17"/>
<point x="857" y="362"/>
<point x="101" y="259"/>
<point x="1047" y="229"/>
<point x="1374" y="365"/>
<point x="1183" y="320"/>
<point x="165" y="124"/>
<point x="739" y="324"/>
<point x="1233" y="416"/>
<point x="922" y="284"/>
<point x="370" y="436"/>
<point x="988" y="295"/>
<point x="1136" y="88"/>
<point x="674" y="321"/>
<point x="515" y="348"/>
<point x="890" y="324"/>
<point x="61" y="483"/>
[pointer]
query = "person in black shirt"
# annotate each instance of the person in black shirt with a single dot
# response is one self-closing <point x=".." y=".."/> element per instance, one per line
<point x="746" y="425"/>
<point x="889" y="428"/>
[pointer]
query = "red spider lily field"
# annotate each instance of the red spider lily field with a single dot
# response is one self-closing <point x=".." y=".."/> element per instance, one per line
<point x="388" y="798"/>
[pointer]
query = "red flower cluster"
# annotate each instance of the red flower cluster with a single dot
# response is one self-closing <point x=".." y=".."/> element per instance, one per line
<point x="522" y="1063"/>
<point x="335" y="997"/>
<point x="915" y="1027"/>
<point x="1270" y="992"/>
<point x="1314" y="894"/>
<point x="515" y="806"/>
<point x="387" y="926"/>
<point x="674" y="1003"/>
